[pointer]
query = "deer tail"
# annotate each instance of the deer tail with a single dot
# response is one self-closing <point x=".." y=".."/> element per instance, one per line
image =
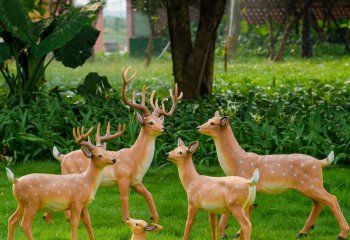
<point x="328" y="160"/>
<point x="11" y="176"/>
<point x="255" y="178"/>
<point x="59" y="156"/>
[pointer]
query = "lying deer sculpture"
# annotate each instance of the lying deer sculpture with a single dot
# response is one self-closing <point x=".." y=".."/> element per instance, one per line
<point x="60" y="192"/>
<point x="133" y="162"/>
<point x="279" y="173"/>
<point x="216" y="195"/>
<point x="140" y="227"/>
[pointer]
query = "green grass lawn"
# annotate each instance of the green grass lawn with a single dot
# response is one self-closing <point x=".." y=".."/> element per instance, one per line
<point x="277" y="217"/>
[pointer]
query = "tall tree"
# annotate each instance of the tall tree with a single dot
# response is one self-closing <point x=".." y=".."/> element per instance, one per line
<point x="306" y="45"/>
<point x="193" y="63"/>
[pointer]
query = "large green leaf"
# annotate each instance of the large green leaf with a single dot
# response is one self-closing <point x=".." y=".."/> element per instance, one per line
<point x="15" y="20"/>
<point x="67" y="26"/>
<point x="95" y="86"/>
<point x="4" y="52"/>
<point x="80" y="48"/>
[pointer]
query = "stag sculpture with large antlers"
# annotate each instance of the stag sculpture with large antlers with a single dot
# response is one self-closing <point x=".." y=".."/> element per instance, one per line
<point x="60" y="192"/>
<point x="133" y="162"/>
<point x="279" y="173"/>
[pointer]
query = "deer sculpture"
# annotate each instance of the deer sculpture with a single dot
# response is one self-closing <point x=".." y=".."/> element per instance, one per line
<point x="60" y="192"/>
<point x="279" y="173"/>
<point x="133" y="162"/>
<point x="216" y="195"/>
<point x="139" y="228"/>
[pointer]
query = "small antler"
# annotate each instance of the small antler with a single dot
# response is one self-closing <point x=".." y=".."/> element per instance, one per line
<point x="175" y="97"/>
<point x="142" y="107"/>
<point x="79" y="136"/>
<point x="108" y="135"/>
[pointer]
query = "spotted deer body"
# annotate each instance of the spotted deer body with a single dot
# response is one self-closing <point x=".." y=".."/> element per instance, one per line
<point x="279" y="173"/>
<point x="133" y="162"/>
<point x="54" y="193"/>
<point x="216" y="195"/>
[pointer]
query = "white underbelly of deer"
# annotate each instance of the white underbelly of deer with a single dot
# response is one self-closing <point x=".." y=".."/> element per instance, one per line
<point x="108" y="178"/>
<point x="144" y="165"/>
<point x="224" y="164"/>
<point x="55" y="205"/>
<point x="273" y="187"/>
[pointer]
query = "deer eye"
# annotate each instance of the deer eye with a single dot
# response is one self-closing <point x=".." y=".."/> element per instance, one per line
<point x="180" y="153"/>
<point x="100" y="156"/>
<point x="212" y="124"/>
<point x="136" y="224"/>
<point x="150" y="123"/>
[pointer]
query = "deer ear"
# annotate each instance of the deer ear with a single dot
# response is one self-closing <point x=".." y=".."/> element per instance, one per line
<point x="224" y="121"/>
<point x="104" y="146"/>
<point x="180" y="142"/>
<point x="153" y="227"/>
<point x="87" y="152"/>
<point x="140" y="118"/>
<point x="193" y="147"/>
<point x="161" y="118"/>
<point x="217" y="114"/>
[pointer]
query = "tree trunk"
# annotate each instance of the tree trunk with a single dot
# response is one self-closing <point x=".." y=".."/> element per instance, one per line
<point x="271" y="38"/>
<point x="279" y="55"/>
<point x="236" y="28"/>
<point x="193" y="66"/>
<point x="150" y="45"/>
<point x="306" y="45"/>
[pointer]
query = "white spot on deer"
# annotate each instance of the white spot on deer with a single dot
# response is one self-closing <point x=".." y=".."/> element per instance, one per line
<point x="81" y="169"/>
<point x="312" y="186"/>
<point x="302" y="182"/>
<point x="291" y="166"/>
<point x="26" y="195"/>
<point x="316" y="179"/>
<point x="265" y="164"/>
<point x="54" y="184"/>
<point x="74" y="184"/>
<point x="251" y="163"/>
<point x="302" y="165"/>
<point x="272" y="172"/>
<point x="36" y="194"/>
<point x="295" y="175"/>
<point x="306" y="176"/>
<point x="58" y="192"/>
<point x="19" y="187"/>
<point x="31" y="186"/>
<point x="278" y="164"/>
<point x="64" y="172"/>
<point x="46" y="193"/>
<point x="314" y="167"/>
<point x="243" y="172"/>
<point x="284" y="174"/>
<point x="40" y="185"/>
<point x="240" y="161"/>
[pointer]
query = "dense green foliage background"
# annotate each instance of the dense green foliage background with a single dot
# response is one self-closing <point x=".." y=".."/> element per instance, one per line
<point x="293" y="106"/>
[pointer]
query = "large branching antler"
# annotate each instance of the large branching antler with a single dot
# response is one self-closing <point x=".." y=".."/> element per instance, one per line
<point x="108" y="135"/>
<point x="175" y="97"/>
<point x="79" y="137"/>
<point x="142" y="107"/>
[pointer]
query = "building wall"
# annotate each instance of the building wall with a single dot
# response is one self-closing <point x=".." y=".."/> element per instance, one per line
<point x="99" y="46"/>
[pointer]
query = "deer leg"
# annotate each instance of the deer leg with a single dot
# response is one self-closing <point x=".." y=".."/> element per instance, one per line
<point x="85" y="217"/>
<point x="213" y="220"/>
<point x="27" y="221"/>
<point x="243" y="221"/>
<point x="141" y="189"/>
<point x="191" y="215"/>
<point x="320" y="194"/>
<point x="124" y="188"/>
<point x="67" y="213"/>
<point x="315" y="212"/>
<point x="74" y="220"/>
<point x="223" y="225"/>
<point x="13" y="220"/>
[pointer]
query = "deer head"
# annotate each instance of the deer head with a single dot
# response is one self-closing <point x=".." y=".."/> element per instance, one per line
<point x="98" y="155"/>
<point x="182" y="152"/>
<point x="141" y="226"/>
<point x="214" y="126"/>
<point x="152" y="123"/>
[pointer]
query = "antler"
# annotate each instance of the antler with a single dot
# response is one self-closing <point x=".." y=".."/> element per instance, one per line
<point x="79" y="136"/>
<point x="175" y="97"/>
<point x="132" y="104"/>
<point x="108" y="135"/>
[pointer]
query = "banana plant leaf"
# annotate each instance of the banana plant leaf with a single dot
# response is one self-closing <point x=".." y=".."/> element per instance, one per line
<point x="66" y="27"/>
<point x="4" y="52"/>
<point x="14" y="19"/>
<point x="80" y="48"/>
<point x="95" y="86"/>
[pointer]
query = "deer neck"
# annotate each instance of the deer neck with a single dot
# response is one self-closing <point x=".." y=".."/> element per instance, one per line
<point x="229" y="151"/>
<point x="143" y="148"/>
<point x="92" y="177"/>
<point x="139" y="236"/>
<point x="187" y="172"/>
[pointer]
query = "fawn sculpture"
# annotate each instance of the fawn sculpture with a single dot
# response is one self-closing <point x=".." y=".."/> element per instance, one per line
<point x="140" y="227"/>
<point x="216" y="195"/>
<point x="59" y="192"/>
<point x="133" y="162"/>
<point x="279" y="173"/>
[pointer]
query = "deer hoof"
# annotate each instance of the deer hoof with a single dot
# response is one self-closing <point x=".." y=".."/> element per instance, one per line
<point x="224" y="237"/>
<point x="302" y="235"/>
<point x="340" y="238"/>
<point x="236" y="236"/>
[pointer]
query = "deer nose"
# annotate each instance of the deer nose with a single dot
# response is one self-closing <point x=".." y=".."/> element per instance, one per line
<point x="113" y="160"/>
<point x="164" y="129"/>
<point x="167" y="154"/>
<point x="198" y="128"/>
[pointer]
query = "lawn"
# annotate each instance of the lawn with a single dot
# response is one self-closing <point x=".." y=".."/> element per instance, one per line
<point x="277" y="217"/>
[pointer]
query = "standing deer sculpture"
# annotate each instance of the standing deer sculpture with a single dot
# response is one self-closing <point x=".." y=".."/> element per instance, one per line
<point x="139" y="228"/>
<point x="279" y="173"/>
<point x="216" y="195"/>
<point x="133" y="162"/>
<point x="60" y="192"/>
